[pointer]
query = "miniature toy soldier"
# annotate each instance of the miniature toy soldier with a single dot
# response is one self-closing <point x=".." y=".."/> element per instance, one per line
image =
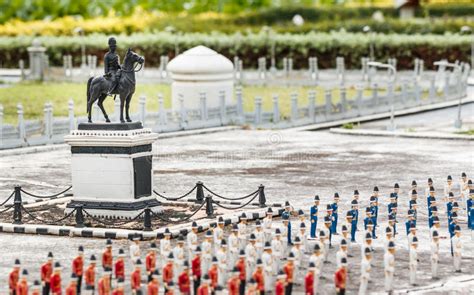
<point x="90" y="275"/>
<point x="393" y="203"/>
<point x="150" y="261"/>
<point x="411" y="235"/>
<point x="112" y="67"/>
<point x="286" y="233"/>
<point x="389" y="266"/>
<point x="251" y="288"/>
<point x="213" y="273"/>
<point x="365" y="268"/>
<point x="414" y="187"/>
<point x="449" y="205"/>
<point x="301" y="217"/>
<point x="267" y="225"/>
<point x="233" y="242"/>
<point x="457" y="248"/>
<point x="14" y="277"/>
<point x="104" y="283"/>
<point x="259" y="238"/>
<point x="434" y="213"/>
<point x="36" y="288"/>
<point x="327" y="227"/>
<point x="452" y="229"/>
<point x="242" y="271"/>
<point x="22" y="285"/>
<point x="168" y="272"/>
<point x="107" y="258"/>
<point x="120" y="266"/>
<point x="345" y="232"/>
<point x="136" y="278"/>
<point x="434" y="254"/>
<point x="448" y="187"/>
<point x="46" y="272"/>
<point x="413" y="262"/>
<point x="369" y="222"/>
<point x="165" y="245"/>
<point x="268" y="266"/>
<point x="233" y="284"/>
<point x="288" y="210"/>
<point x="218" y="233"/>
<point x="154" y="285"/>
<point x="413" y="197"/>
<point x="289" y="269"/>
<point x="222" y="263"/>
<point x="192" y="240"/>
<point x="171" y="289"/>
<point x="314" y="216"/>
<point x="388" y="237"/>
<point x="196" y="268"/>
<point x="324" y="244"/>
<point x="431" y="198"/>
<point x="392" y="224"/>
<point x="78" y="268"/>
<point x="251" y="259"/>
<point x="373" y="213"/>
<point x="179" y="257"/>
<point x="340" y="277"/>
<point x="242" y="231"/>
<point x="258" y="276"/>
<point x="135" y="249"/>
<point x="309" y="280"/>
<point x="355" y="218"/>
<point x="435" y="226"/>
<point x="470" y="212"/>
<point x="463" y="187"/>
<point x="455" y="208"/>
<point x="411" y="220"/>
<point x="367" y="243"/>
<point x="396" y="190"/>
<point x="277" y="248"/>
<point x="280" y="283"/>
<point x="303" y="237"/>
<point x="334" y="207"/>
<point x="356" y="212"/>
<point x="184" y="281"/>
<point x="429" y="184"/>
<point x="341" y="253"/>
<point x="205" y="288"/>
<point x="298" y="254"/>
<point x="71" y="289"/>
<point x="207" y="251"/>
<point x="119" y="290"/>
<point x="56" y="279"/>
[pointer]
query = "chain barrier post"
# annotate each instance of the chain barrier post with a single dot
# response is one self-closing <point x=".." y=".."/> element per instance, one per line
<point x="199" y="192"/>
<point x="209" y="208"/>
<point x="79" y="216"/>
<point x="17" y="206"/>
<point x="147" y="220"/>
<point x="261" y="196"/>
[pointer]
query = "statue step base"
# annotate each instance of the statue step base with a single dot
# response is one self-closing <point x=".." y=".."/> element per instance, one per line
<point x="110" y="126"/>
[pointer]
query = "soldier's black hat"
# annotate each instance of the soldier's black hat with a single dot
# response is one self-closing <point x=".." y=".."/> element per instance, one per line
<point x="367" y="210"/>
<point x="278" y="231"/>
<point x="121" y="253"/>
<point x="373" y="199"/>
<point x="252" y="281"/>
<point x="57" y="265"/>
<point x="167" y="232"/>
<point x="322" y="233"/>
<point x="367" y="250"/>
<point x="208" y="234"/>
<point x="413" y="182"/>
<point x="185" y="264"/>
<point x="170" y="256"/>
<point x="223" y="243"/>
<point x="220" y="220"/>
<point x="412" y="225"/>
<point x="376" y="188"/>
<point x="36" y="283"/>
<point x="388" y="229"/>
<point x="93" y="259"/>
<point x="171" y="284"/>
<point x="356" y="192"/>
<point x="285" y="217"/>
<point x="235" y="227"/>
<point x="112" y="41"/>
<point x="153" y="246"/>
<point x="344" y="228"/>
<point x="328" y="207"/>
<point x="431" y="199"/>
<point x="391" y="217"/>
<point x="435" y="219"/>
<point x="463" y="174"/>
<point x="300" y="212"/>
<point x="457" y="228"/>
<point x="395" y="205"/>
<point x="455" y="205"/>
<point x="327" y="219"/>
<point x="370" y="222"/>
<point x="287" y="204"/>
<point x="214" y="259"/>
<point x="252" y="237"/>
<point x="343" y="260"/>
<point x="413" y="192"/>
<point x="242" y="253"/>
<point x="449" y="177"/>
<point x="415" y="240"/>
<point x="297" y="240"/>
<point x="435" y="234"/>
<point x="354" y="202"/>
<point x="108" y="243"/>
<point x="267" y="246"/>
<point x="450" y="194"/>
<point x="411" y="212"/>
<point x="80" y="249"/>
<point x="317" y="247"/>
<point x="281" y="274"/>
<point x="336" y="196"/>
<point x="24" y="272"/>
<point x="312" y="266"/>
<point x="396" y="185"/>
<point x="243" y="216"/>
<point x="302" y="225"/>
<point x="316" y="198"/>
<point x="430" y="180"/>
<point x="50" y="255"/>
<point x="269" y="211"/>
<point x="471" y="191"/>
<point x="349" y="214"/>
<point x="413" y="202"/>
<point x="454" y="215"/>
<point x="206" y="277"/>
<point x="259" y="261"/>
<point x="258" y="223"/>
<point x="391" y="245"/>
<point x="343" y="242"/>
<point x="156" y="274"/>
<point x="73" y="276"/>
<point x="432" y="189"/>
<point x="181" y="239"/>
<point x="434" y="209"/>
<point x="194" y="225"/>
<point x="139" y="262"/>
<point x="291" y="256"/>
<point x="198" y="249"/>
<point x="469" y="181"/>
<point x="368" y="236"/>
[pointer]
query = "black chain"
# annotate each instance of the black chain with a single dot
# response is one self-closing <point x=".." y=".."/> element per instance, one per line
<point x="175" y="199"/>
<point x="47" y="221"/>
<point x="113" y="223"/>
<point x="1" y="212"/>
<point x="230" y="199"/>
<point x="239" y="207"/>
<point x="181" y="220"/>
<point x="46" y="197"/>
<point x="4" y="202"/>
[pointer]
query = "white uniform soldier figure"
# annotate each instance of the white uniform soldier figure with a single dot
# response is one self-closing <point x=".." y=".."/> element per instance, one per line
<point x="457" y="248"/>
<point x="179" y="254"/>
<point x="298" y="254"/>
<point x="252" y="255"/>
<point x="165" y="245"/>
<point x="192" y="240"/>
<point x="434" y="254"/>
<point x="285" y="233"/>
<point x="233" y="243"/>
<point x="436" y="225"/>
<point x="411" y="235"/>
<point x="218" y="233"/>
<point x="259" y="238"/>
<point x="301" y="217"/>
<point x="277" y="249"/>
<point x="388" y="237"/>
<point x="301" y="234"/>
<point x="316" y="259"/>
<point x="365" y="268"/>
<point x="464" y="188"/>
<point x="389" y="267"/>
<point x="268" y="267"/>
<point x="324" y="244"/>
<point x="341" y="253"/>
<point x="242" y="233"/>
<point x="413" y="262"/>
<point x="207" y="250"/>
<point x="448" y="187"/>
<point x="267" y="225"/>
<point x="366" y="244"/>
<point x="135" y="248"/>
<point x="222" y="263"/>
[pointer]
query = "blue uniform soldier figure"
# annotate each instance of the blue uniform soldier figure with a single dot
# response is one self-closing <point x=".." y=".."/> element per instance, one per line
<point x="413" y="196"/>
<point x="287" y="211"/>
<point x="314" y="216"/>
<point x="375" y="211"/>
<point x="356" y="216"/>
<point x="414" y="207"/>
<point x="449" y="205"/>
<point x="287" y="224"/>
<point x="393" y="202"/>
<point x="112" y="67"/>
<point x="329" y="214"/>
<point x="354" y="212"/>
<point x="452" y="227"/>
<point x="334" y="207"/>
<point x="396" y="190"/>
<point x="411" y="220"/>
<point x="430" y="198"/>
<point x="470" y="212"/>
<point x="392" y="224"/>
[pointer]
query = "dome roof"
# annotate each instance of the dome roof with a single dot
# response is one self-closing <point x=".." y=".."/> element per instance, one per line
<point x="200" y="60"/>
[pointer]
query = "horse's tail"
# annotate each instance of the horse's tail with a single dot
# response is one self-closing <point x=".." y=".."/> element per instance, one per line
<point x="89" y="82"/>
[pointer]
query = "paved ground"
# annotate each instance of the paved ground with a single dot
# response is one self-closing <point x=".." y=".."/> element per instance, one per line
<point x="291" y="165"/>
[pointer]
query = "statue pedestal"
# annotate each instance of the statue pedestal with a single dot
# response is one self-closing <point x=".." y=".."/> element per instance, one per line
<point x="111" y="165"/>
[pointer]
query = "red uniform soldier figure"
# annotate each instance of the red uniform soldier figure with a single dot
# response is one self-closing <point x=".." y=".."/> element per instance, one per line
<point x="196" y="268"/>
<point x="56" y="279"/>
<point x="289" y="270"/>
<point x="14" y="277"/>
<point x="259" y="278"/>
<point x="78" y="268"/>
<point x="90" y="275"/>
<point x="213" y="274"/>
<point x="46" y="272"/>
<point x="309" y="280"/>
<point x="104" y="283"/>
<point x="233" y="284"/>
<point x="184" y="282"/>
<point x="205" y="288"/>
<point x="35" y="290"/>
<point x="119" y="290"/>
<point x="154" y="285"/>
<point x="136" y="279"/>
<point x="107" y="258"/>
<point x="150" y="261"/>
<point x="280" y="283"/>
<point x="168" y="272"/>
<point x="120" y="266"/>
<point x="340" y="277"/>
<point x="22" y="285"/>
<point x="241" y="265"/>
<point x="72" y="288"/>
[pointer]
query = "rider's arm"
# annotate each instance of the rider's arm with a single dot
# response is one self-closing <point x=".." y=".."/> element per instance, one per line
<point x="106" y="65"/>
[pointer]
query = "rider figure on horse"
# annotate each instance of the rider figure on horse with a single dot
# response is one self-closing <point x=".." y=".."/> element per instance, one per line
<point x="112" y="65"/>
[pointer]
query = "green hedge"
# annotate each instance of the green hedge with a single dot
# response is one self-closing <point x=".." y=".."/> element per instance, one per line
<point x="326" y="46"/>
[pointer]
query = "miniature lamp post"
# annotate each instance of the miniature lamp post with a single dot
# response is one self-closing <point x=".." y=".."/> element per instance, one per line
<point x="367" y="30"/>
<point x="458" y="121"/>
<point x="392" y="81"/>
<point x="468" y="31"/>
<point x="79" y="31"/>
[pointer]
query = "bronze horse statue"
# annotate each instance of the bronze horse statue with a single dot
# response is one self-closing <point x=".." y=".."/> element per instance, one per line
<point x="97" y="87"/>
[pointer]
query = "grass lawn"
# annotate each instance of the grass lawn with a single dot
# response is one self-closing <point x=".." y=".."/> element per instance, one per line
<point x="33" y="96"/>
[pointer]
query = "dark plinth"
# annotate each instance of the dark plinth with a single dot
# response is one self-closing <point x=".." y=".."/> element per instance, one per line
<point x="110" y="126"/>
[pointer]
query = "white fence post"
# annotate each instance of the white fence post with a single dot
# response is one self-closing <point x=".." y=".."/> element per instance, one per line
<point x="258" y="110"/>
<point x="162" y="116"/>
<point x="294" y="107"/>
<point x="432" y="91"/>
<point x="276" y="109"/>
<point x="51" y="120"/>
<point x="21" y="123"/>
<point x="142" y="109"/>
<point x="72" y="124"/>
<point x="240" y="104"/>
<point x="312" y="105"/>
<point x="359" y="98"/>
<point x="328" y="98"/>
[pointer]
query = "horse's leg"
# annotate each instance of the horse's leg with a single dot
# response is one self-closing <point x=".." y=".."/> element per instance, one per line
<point x="122" y="101"/>
<point x="101" y="106"/>
<point x="93" y="98"/>
<point x="127" y="107"/>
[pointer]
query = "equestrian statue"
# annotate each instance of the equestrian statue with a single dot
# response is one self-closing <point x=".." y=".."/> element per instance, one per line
<point x="118" y="79"/>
